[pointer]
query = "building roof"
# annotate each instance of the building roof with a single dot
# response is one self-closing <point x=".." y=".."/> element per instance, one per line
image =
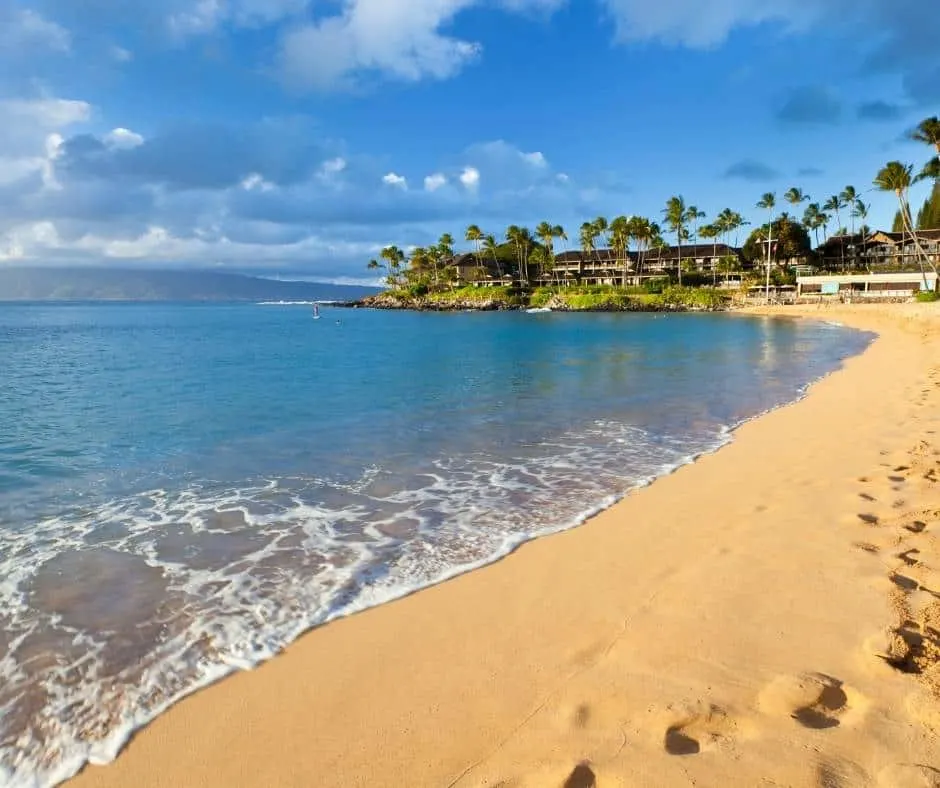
<point x="609" y="256"/>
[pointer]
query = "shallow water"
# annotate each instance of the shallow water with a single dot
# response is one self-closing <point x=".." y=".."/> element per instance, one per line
<point x="185" y="489"/>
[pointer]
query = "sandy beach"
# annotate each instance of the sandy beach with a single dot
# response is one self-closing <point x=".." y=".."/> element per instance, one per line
<point x="767" y="616"/>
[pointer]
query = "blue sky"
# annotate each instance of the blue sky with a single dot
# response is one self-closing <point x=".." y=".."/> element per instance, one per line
<point x="298" y="137"/>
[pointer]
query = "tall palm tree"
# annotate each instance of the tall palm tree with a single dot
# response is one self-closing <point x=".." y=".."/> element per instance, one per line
<point x="928" y="132"/>
<point x="603" y="234"/>
<point x="768" y="201"/>
<point x="642" y="231"/>
<point x="712" y="231"/>
<point x="620" y="241"/>
<point x="588" y="239"/>
<point x="897" y="177"/>
<point x="810" y="219"/>
<point x="931" y="170"/>
<point x="474" y="235"/>
<point x="836" y="204"/>
<point x="514" y="236"/>
<point x="692" y="216"/>
<point x="393" y="257"/>
<point x="796" y="197"/>
<point x="848" y="197"/>
<point x="491" y="247"/>
<point x="545" y="232"/>
<point x="860" y="211"/>
<point x="374" y="265"/>
<point x="676" y="214"/>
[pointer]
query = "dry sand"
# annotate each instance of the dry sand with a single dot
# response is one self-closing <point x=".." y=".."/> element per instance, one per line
<point x="767" y="616"/>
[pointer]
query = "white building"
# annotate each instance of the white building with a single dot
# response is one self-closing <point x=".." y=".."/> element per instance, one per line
<point x="860" y="287"/>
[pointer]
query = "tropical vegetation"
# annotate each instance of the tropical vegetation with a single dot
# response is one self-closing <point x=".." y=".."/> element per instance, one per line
<point x="523" y="265"/>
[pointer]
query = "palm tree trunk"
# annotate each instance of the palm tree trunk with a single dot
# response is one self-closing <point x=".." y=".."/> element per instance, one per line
<point x="921" y="254"/>
<point x="770" y="237"/>
<point x="679" y="247"/>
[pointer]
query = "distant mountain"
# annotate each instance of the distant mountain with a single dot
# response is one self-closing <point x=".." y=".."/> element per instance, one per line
<point x="111" y="284"/>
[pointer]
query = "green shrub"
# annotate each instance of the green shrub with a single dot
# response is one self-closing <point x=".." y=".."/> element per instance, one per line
<point x="927" y="297"/>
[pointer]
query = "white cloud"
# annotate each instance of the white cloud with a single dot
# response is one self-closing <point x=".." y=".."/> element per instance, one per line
<point x="121" y="55"/>
<point x="203" y="17"/>
<point x="563" y="177"/>
<point x="393" y="179"/>
<point x="255" y="181"/>
<point x="704" y="23"/>
<point x="470" y="178"/>
<point x="434" y="182"/>
<point x="25" y="29"/>
<point x="122" y="138"/>
<point x="46" y="113"/>
<point x="401" y="39"/>
<point x="536" y="159"/>
<point x="333" y="166"/>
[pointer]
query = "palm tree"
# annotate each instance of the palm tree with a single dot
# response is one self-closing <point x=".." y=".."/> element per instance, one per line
<point x="545" y="232"/>
<point x="620" y="240"/>
<point x="848" y="197"/>
<point x="539" y="258"/>
<point x="676" y="214"/>
<point x="931" y="170"/>
<point x="603" y="233"/>
<point x="836" y="203"/>
<point x="692" y="215"/>
<point x="897" y="177"/>
<point x="643" y="232"/>
<point x="796" y="197"/>
<point x="492" y="249"/>
<point x="860" y="211"/>
<point x="374" y="265"/>
<point x="393" y="257"/>
<point x="521" y="239"/>
<point x="474" y="235"/>
<point x="810" y="219"/>
<point x="712" y="231"/>
<point x="588" y="238"/>
<point x="928" y="132"/>
<point x="768" y="202"/>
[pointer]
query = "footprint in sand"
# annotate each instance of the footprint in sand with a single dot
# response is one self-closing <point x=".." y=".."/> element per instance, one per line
<point x="869" y="519"/>
<point x="909" y="557"/>
<point x="868" y="547"/>
<point x="698" y="730"/>
<point x="582" y="777"/>
<point x="815" y="700"/>
<point x="908" y="648"/>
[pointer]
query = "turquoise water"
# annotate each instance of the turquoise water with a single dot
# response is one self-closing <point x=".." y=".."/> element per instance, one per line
<point x="185" y="489"/>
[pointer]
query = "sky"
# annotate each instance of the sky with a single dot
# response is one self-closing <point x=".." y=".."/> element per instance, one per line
<point x="296" y="138"/>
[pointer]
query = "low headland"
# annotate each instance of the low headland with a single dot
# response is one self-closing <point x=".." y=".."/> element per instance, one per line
<point x="591" y="298"/>
<point x="768" y="614"/>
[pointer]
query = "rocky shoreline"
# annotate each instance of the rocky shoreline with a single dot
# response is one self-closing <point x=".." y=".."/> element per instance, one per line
<point x="385" y="301"/>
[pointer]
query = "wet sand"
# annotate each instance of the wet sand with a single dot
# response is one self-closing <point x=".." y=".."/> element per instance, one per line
<point x="767" y="616"/>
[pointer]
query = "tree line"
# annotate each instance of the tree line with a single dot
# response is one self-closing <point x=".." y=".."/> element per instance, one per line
<point x="521" y="249"/>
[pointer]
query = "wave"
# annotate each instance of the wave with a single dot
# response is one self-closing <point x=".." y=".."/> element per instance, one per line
<point x="114" y="612"/>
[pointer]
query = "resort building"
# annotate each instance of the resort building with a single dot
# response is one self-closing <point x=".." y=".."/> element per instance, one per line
<point x="861" y="287"/>
<point x="602" y="267"/>
<point x="700" y="257"/>
<point x="878" y="250"/>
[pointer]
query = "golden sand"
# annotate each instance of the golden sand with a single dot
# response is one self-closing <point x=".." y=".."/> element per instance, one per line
<point x="767" y="616"/>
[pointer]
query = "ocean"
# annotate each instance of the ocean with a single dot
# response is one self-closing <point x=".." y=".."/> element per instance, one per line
<point x="185" y="489"/>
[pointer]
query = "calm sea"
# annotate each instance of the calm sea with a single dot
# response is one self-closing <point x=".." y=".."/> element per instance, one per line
<point x="186" y="489"/>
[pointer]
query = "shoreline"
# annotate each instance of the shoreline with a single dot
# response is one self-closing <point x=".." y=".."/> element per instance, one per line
<point x="465" y="672"/>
